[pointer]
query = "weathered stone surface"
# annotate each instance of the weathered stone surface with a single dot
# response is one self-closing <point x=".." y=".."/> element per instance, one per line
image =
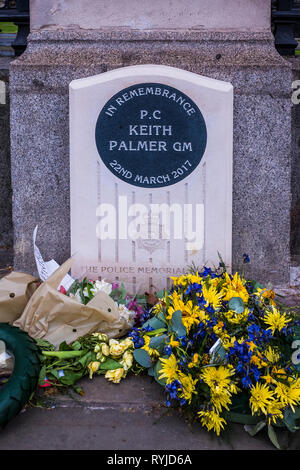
<point x="262" y="139"/>
<point x="151" y="14"/>
<point x="6" y="237"/>
<point x="295" y="181"/>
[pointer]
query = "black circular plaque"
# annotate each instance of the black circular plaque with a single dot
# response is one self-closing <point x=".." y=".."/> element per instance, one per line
<point x="151" y="135"/>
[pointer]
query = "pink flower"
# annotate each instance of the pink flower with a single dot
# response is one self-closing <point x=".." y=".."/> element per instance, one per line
<point x="62" y="290"/>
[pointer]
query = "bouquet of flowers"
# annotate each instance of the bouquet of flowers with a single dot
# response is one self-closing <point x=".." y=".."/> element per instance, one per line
<point x="130" y="307"/>
<point x="223" y="350"/>
<point x="89" y="355"/>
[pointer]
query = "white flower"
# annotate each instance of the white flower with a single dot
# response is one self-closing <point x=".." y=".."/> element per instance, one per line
<point x="127" y="315"/>
<point x="101" y="286"/>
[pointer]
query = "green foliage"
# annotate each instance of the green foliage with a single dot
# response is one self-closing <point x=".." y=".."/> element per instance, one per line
<point x="142" y="357"/>
<point x="273" y="437"/>
<point x="237" y="305"/>
<point x="158" y="343"/>
<point x="155" y="323"/>
<point x="157" y="369"/>
<point x="176" y="324"/>
<point x="8" y="27"/>
<point x="110" y="364"/>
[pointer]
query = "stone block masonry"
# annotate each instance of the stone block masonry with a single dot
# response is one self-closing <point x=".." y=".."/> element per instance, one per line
<point x="6" y="235"/>
<point x="39" y="82"/>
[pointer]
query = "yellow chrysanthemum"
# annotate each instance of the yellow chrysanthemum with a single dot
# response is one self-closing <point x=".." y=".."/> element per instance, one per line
<point x="185" y="279"/>
<point x="276" y="320"/>
<point x="274" y="412"/>
<point x="218" y="329"/>
<point x="234" y="288"/>
<point x="221" y="400"/>
<point x="190" y="312"/>
<point x="157" y="308"/>
<point x="289" y="395"/>
<point x="211" y="420"/>
<point x="169" y="369"/>
<point x="212" y="296"/>
<point x="188" y="386"/>
<point x="261" y="397"/>
<point x="217" y="378"/>
<point x="271" y="355"/>
<point x="228" y="341"/>
<point x="151" y="352"/>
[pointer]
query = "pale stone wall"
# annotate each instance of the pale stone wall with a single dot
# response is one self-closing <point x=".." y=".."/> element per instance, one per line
<point x="235" y="15"/>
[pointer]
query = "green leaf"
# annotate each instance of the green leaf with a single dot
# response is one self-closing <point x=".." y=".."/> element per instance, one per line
<point x="43" y="344"/>
<point x="257" y="285"/>
<point x="155" y="332"/>
<point x="289" y="419"/>
<point x="236" y="304"/>
<point x="273" y="437"/>
<point x="86" y="359"/>
<point x="160" y="294"/>
<point x="155" y="323"/>
<point x="64" y="347"/>
<point x="253" y="430"/>
<point x="76" y="345"/>
<point x="151" y="371"/>
<point x="70" y="377"/>
<point x="240" y="418"/>
<point x="53" y="372"/>
<point x="42" y="376"/>
<point x="142" y="357"/>
<point x="110" y="364"/>
<point x="157" y="342"/>
<point x="177" y="325"/>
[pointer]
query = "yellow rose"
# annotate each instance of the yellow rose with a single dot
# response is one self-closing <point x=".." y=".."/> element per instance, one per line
<point x="105" y="349"/>
<point x="116" y="350"/>
<point x="114" y="375"/>
<point x="100" y="357"/>
<point x="128" y="343"/>
<point x="127" y="360"/>
<point x="93" y="367"/>
<point x="101" y="336"/>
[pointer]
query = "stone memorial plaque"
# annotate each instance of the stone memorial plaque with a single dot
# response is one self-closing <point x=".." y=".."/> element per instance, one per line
<point x="151" y="174"/>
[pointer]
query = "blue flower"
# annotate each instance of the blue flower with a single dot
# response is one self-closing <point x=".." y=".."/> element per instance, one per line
<point x="167" y="350"/>
<point x="246" y="258"/>
<point x="246" y="382"/>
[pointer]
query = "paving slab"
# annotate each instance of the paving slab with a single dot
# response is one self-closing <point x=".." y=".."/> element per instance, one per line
<point x="128" y="416"/>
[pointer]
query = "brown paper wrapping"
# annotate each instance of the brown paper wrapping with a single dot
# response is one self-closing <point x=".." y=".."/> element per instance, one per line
<point x="15" y="291"/>
<point x="56" y="317"/>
